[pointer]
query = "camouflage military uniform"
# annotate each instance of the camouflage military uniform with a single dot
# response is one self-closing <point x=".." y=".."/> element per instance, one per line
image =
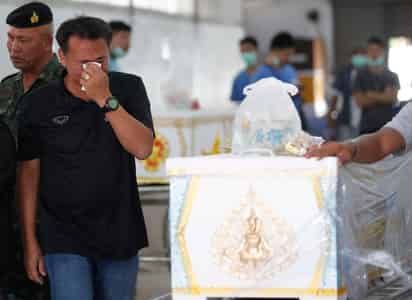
<point x="12" y="93"/>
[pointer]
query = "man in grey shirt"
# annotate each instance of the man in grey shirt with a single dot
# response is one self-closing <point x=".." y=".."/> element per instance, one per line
<point x="395" y="137"/>
<point x="375" y="89"/>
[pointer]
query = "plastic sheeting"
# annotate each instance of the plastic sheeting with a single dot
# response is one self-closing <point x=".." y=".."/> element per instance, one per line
<point x="270" y="232"/>
<point x="372" y="218"/>
<point x="376" y="223"/>
<point x="374" y="209"/>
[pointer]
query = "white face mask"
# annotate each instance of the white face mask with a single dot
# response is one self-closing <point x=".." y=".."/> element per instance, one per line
<point x="276" y="61"/>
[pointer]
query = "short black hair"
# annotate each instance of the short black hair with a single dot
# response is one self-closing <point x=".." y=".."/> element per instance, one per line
<point x="358" y="50"/>
<point x="117" y="26"/>
<point x="83" y="27"/>
<point x="282" y="40"/>
<point x="249" y="40"/>
<point x="374" y="40"/>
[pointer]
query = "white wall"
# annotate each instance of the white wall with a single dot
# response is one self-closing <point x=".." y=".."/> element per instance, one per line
<point x="203" y="57"/>
<point x="221" y="11"/>
<point x="264" y="18"/>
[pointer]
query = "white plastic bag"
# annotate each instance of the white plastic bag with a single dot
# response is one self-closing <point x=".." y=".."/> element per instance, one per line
<point x="267" y="118"/>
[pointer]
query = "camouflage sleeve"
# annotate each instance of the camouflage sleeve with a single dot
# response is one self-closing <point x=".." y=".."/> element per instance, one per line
<point x="7" y="105"/>
<point x="6" y="96"/>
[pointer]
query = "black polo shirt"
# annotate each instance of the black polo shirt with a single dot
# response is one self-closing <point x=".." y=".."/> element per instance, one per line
<point x="375" y="116"/>
<point x="88" y="196"/>
<point x="7" y="180"/>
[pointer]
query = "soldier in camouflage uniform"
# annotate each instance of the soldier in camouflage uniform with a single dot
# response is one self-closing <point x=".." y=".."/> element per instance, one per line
<point x="12" y="93"/>
<point x="30" y="40"/>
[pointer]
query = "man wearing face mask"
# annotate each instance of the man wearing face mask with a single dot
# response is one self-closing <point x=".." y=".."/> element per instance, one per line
<point x="121" y="33"/>
<point x="248" y="50"/>
<point x="30" y="47"/>
<point x="346" y="121"/>
<point x="375" y="89"/>
<point x="277" y="65"/>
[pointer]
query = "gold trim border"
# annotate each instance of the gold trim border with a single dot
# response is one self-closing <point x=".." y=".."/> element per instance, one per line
<point x="250" y="172"/>
<point x="262" y="292"/>
<point x="190" y="122"/>
<point x="318" y="191"/>
<point x="152" y="180"/>
<point x="317" y="277"/>
<point x="184" y="219"/>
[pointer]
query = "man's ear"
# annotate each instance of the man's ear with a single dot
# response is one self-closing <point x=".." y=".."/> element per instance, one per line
<point x="48" y="43"/>
<point x="62" y="57"/>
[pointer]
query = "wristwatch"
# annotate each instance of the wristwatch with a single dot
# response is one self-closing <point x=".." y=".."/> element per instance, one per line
<point x="112" y="104"/>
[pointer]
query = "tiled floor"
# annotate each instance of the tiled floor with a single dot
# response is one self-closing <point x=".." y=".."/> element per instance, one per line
<point x="153" y="282"/>
<point x="154" y="277"/>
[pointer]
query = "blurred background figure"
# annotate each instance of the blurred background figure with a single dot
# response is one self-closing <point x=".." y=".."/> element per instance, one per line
<point x="277" y="64"/>
<point x="121" y="35"/>
<point x="375" y="89"/>
<point x="344" y="113"/>
<point x="249" y="52"/>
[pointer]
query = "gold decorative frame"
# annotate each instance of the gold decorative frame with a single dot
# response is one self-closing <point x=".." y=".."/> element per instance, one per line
<point x="194" y="289"/>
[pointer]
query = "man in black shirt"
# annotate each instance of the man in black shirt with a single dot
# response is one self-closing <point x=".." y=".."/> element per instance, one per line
<point x="375" y="89"/>
<point x="77" y="148"/>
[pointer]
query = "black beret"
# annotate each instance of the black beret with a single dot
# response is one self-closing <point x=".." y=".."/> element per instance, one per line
<point x="30" y="15"/>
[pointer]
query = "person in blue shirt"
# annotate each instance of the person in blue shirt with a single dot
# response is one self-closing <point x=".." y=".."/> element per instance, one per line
<point x="277" y="65"/>
<point x="121" y="35"/>
<point x="248" y="50"/>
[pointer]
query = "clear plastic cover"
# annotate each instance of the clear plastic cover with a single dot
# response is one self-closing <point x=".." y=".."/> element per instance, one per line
<point x="374" y="212"/>
<point x="375" y="221"/>
<point x="370" y="222"/>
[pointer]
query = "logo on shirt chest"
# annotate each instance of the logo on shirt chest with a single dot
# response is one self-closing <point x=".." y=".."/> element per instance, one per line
<point x="61" y="120"/>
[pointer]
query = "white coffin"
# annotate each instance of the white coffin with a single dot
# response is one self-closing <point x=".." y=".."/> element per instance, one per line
<point x="254" y="227"/>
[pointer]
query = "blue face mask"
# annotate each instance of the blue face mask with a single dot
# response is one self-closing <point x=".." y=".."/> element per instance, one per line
<point x="380" y="61"/>
<point x="359" y="60"/>
<point x="249" y="58"/>
<point x="118" y="52"/>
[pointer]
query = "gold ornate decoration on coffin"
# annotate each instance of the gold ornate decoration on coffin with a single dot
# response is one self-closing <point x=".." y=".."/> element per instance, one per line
<point x="160" y="153"/>
<point x="215" y="148"/>
<point x="253" y="243"/>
